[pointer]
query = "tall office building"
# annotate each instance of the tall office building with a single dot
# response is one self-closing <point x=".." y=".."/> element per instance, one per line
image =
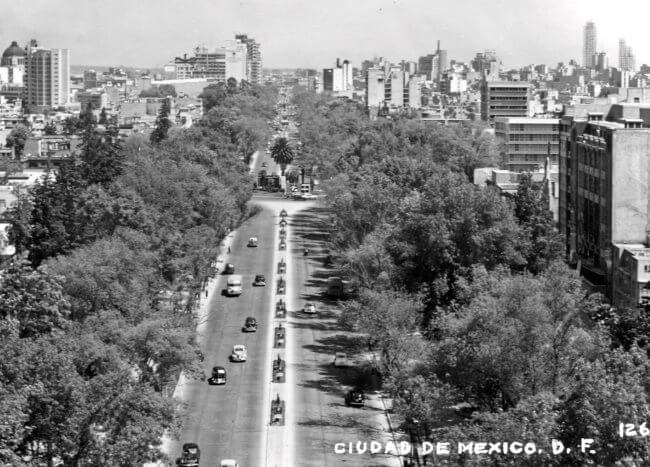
<point x="47" y="76"/>
<point x="253" y="58"/>
<point x="589" y="45"/>
<point x="626" y="59"/>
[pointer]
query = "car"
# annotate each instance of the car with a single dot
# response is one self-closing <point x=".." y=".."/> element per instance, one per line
<point x="228" y="463"/>
<point x="309" y="308"/>
<point x="252" y="242"/>
<point x="282" y="287"/>
<point x="191" y="450"/>
<point x="283" y="245"/>
<point x="260" y="280"/>
<point x="229" y="268"/>
<point x="283" y="213"/>
<point x="355" y="398"/>
<point x="341" y="360"/>
<point x="264" y="164"/>
<point x="308" y="196"/>
<point x="283" y="223"/>
<point x="250" y="325"/>
<point x="238" y="353"/>
<point x="218" y="376"/>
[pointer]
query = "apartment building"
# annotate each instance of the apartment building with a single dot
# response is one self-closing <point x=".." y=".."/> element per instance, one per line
<point x="604" y="206"/>
<point x="47" y="76"/>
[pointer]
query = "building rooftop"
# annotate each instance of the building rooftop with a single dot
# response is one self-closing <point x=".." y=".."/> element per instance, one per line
<point x="549" y="121"/>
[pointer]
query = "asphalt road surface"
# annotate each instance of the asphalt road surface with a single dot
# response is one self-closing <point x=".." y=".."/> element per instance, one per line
<point x="231" y="421"/>
<point x="323" y="419"/>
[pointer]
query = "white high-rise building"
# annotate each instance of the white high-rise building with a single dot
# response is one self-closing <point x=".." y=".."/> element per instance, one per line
<point x="589" y="45"/>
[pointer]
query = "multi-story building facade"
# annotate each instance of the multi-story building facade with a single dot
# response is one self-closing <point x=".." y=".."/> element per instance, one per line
<point x="240" y="59"/>
<point x="589" y="45"/>
<point x="528" y="142"/>
<point x="375" y="90"/>
<point x="604" y="207"/>
<point x="253" y="58"/>
<point x="504" y="99"/>
<point x="392" y="89"/>
<point x="47" y="76"/>
<point x="626" y="60"/>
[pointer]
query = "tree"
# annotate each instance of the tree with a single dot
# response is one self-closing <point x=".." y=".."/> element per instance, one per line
<point x="87" y="119"/>
<point x="293" y="177"/>
<point x="31" y="301"/>
<point x="249" y="133"/>
<point x="103" y="118"/>
<point x="16" y="139"/>
<point x="70" y="125"/>
<point x="533" y="214"/>
<point x="50" y="128"/>
<point x="101" y="157"/>
<point x="282" y="153"/>
<point x="163" y="124"/>
<point x="213" y="95"/>
<point x="166" y="90"/>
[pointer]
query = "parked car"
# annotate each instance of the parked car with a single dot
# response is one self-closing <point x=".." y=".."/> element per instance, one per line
<point x="283" y="223"/>
<point x="282" y="287"/>
<point x="341" y="360"/>
<point x="228" y="463"/>
<point x="229" y="269"/>
<point x="218" y="376"/>
<point x="283" y="245"/>
<point x="238" y="353"/>
<point x="250" y="325"/>
<point x="260" y="280"/>
<point x="264" y="164"/>
<point x="309" y="308"/>
<point x="282" y="267"/>
<point x="355" y="398"/>
<point x="252" y="242"/>
<point x="283" y="213"/>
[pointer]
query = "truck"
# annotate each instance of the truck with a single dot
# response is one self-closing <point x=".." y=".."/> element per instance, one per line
<point x="234" y="285"/>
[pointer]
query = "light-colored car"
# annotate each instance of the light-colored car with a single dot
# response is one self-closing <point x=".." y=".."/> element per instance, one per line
<point x="308" y="196"/>
<point x="228" y="463"/>
<point x="341" y="359"/>
<point x="309" y="308"/>
<point x="238" y="353"/>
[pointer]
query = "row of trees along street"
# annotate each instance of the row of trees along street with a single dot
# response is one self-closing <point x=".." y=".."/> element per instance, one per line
<point x="484" y="333"/>
<point x="90" y="339"/>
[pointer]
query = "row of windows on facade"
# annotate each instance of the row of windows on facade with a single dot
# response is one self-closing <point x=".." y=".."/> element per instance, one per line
<point x="534" y="137"/>
<point x="541" y="148"/>
<point x="591" y="158"/>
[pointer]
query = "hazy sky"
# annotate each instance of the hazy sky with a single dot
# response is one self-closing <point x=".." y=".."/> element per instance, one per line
<point x="312" y="33"/>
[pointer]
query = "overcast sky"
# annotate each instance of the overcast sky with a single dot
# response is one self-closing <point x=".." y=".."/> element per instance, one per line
<point x="312" y="33"/>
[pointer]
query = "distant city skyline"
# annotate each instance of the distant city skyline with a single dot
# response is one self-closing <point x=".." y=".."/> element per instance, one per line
<point x="298" y="34"/>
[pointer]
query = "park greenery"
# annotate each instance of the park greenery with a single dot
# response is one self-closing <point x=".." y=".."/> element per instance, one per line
<point x="484" y="332"/>
<point x="113" y="249"/>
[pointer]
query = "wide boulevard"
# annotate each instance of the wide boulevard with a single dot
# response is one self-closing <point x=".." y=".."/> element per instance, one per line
<point x="232" y="421"/>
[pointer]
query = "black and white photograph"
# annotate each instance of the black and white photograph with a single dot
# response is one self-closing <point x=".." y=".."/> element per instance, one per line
<point x="362" y="233"/>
